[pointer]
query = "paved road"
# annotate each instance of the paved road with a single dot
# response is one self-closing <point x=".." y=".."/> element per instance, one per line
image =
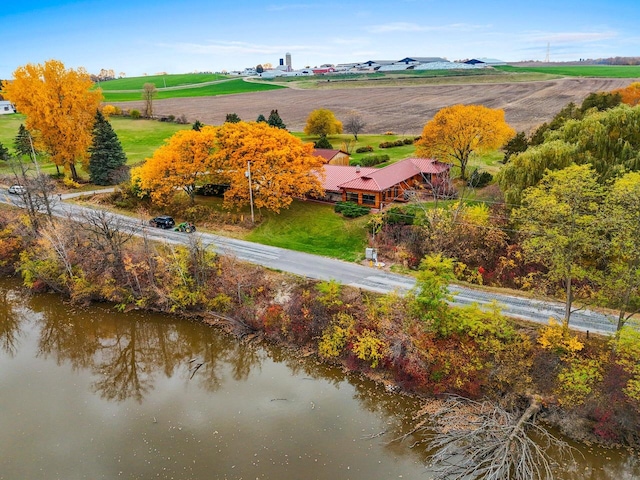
<point x="367" y="278"/>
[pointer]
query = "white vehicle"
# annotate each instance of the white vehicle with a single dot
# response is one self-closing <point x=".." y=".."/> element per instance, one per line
<point x="17" y="190"/>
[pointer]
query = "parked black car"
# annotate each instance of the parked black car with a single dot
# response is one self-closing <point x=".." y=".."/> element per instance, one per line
<point x="163" y="221"/>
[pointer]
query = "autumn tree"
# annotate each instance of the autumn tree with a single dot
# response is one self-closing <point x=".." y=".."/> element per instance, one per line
<point x="184" y="160"/>
<point x="106" y="154"/>
<point x="630" y="94"/>
<point x="456" y="132"/>
<point x="274" y="120"/>
<point x="354" y="124"/>
<point x="621" y="220"/>
<point x="322" y="122"/>
<point x="282" y="167"/>
<point x="559" y="224"/>
<point x="609" y="140"/>
<point x="60" y="105"/>
<point x="149" y="92"/>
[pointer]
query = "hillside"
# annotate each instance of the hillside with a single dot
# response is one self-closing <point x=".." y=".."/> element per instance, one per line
<point x="402" y="109"/>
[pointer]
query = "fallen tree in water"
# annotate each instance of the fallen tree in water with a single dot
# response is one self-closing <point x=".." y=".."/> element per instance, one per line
<point x="481" y="440"/>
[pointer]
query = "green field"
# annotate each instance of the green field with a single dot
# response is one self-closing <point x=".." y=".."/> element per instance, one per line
<point x="606" y="71"/>
<point x="160" y="81"/>
<point x="224" y="87"/>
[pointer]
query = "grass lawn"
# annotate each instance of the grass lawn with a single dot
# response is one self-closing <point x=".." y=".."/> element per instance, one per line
<point x="313" y="228"/>
<point x="140" y="138"/>
<point x="338" y="143"/>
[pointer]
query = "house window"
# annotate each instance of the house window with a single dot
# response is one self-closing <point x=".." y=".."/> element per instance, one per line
<point x="368" y="199"/>
<point x="352" y="197"/>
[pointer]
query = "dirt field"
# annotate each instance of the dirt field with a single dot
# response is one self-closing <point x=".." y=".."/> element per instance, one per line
<point x="403" y="110"/>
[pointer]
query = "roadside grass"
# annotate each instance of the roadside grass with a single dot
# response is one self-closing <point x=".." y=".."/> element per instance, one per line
<point x="606" y="71"/>
<point x="227" y="87"/>
<point x="313" y="228"/>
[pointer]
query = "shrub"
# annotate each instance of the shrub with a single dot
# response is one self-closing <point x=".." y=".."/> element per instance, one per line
<point x="479" y="179"/>
<point x="70" y="183"/>
<point x="135" y="114"/>
<point x="351" y="209"/>
<point x="408" y="141"/>
<point x="109" y="110"/>
<point x="371" y="160"/>
<point x="389" y="133"/>
<point x="323" y="142"/>
<point x="182" y="119"/>
<point x="365" y="149"/>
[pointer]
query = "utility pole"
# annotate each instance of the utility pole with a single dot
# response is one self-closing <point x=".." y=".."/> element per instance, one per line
<point x="248" y="175"/>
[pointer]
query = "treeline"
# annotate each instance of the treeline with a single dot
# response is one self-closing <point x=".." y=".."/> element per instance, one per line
<point x="416" y="342"/>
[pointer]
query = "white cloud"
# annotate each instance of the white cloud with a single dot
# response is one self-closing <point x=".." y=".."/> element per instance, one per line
<point x="569" y="37"/>
<point x="293" y="6"/>
<point x="414" y="27"/>
<point x="236" y="48"/>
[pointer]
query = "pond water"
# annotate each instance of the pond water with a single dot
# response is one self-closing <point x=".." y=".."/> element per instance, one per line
<point x="90" y="393"/>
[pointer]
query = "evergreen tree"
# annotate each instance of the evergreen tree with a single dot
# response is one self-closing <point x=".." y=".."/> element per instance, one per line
<point x="232" y="118"/>
<point x="4" y="153"/>
<point x="323" y="142"/>
<point x="261" y="119"/>
<point x="275" y="120"/>
<point x="517" y="144"/>
<point x="107" y="157"/>
<point x="197" y="125"/>
<point x="21" y="143"/>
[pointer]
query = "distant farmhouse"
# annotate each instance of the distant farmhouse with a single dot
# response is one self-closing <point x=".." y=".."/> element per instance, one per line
<point x="407" y="63"/>
<point x="6" y="107"/>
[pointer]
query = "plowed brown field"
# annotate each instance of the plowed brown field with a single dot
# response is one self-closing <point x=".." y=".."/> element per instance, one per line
<point x="403" y="110"/>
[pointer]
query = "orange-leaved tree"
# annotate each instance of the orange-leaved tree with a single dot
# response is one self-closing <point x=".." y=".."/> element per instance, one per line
<point x="185" y="160"/>
<point x="60" y="106"/>
<point x="457" y="131"/>
<point x="630" y="94"/>
<point x="282" y="166"/>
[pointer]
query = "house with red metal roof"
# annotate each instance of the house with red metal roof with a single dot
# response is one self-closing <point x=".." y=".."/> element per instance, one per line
<point x="375" y="187"/>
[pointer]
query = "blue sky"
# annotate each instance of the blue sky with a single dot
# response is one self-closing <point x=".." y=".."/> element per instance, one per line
<point x="148" y="37"/>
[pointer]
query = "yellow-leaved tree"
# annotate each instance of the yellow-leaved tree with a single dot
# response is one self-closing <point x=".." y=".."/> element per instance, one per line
<point x="60" y="106"/>
<point x="282" y="166"/>
<point x="457" y="131"/>
<point x="185" y="160"/>
<point x="322" y="122"/>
